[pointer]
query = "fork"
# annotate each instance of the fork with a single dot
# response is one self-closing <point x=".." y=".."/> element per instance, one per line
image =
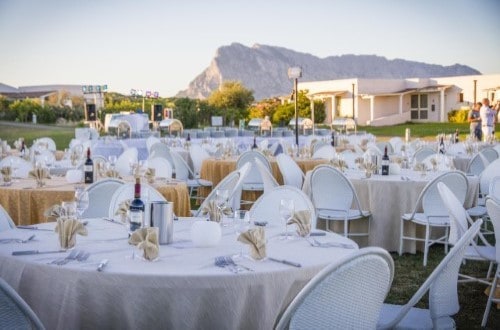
<point x="223" y="263"/>
<point x="84" y="256"/>
<point x="229" y="260"/>
<point x="17" y="240"/>
<point x="62" y="261"/>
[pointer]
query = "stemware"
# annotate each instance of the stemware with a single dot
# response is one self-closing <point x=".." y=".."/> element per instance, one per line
<point x="286" y="209"/>
<point x="241" y="224"/>
<point x="112" y="161"/>
<point x="221" y="197"/>
<point x="82" y="201"/>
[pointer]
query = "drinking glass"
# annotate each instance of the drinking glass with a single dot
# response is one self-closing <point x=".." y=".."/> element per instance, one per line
<point x="82" y="201"/>
<point x="221" y="197"/>
<point x="112" y="161"/>
<point x="286" y="209"/>
<point x="241" y="224"/>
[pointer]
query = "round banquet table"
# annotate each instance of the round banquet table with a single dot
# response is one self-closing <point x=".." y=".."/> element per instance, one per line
<point x="388" y="198"/>
<point x="26" y="204"/>
<point x="182" y="289"/>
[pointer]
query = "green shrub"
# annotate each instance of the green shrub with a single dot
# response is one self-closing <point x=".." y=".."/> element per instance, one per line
<point x="458" y="116"/>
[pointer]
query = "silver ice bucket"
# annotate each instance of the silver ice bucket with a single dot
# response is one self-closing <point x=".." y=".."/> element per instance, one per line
<point x="161" y="215"/>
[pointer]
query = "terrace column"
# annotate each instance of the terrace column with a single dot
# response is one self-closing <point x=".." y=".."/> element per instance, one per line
<point x="372" y="108"/>
<point x="443" y="110"/>
<point x="401" y="104"/>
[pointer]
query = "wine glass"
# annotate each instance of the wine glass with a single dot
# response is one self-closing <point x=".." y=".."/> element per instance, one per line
<point x="81" y="200"/>
<point x="286" y="209"/>
<point x="221" y="197"/>
<point x="241" y="225"/>
<point x="112" y="161"/>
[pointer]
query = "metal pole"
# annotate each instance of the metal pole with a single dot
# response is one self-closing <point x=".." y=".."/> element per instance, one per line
<point x="475" y="90"/>
<point x="296" y="115"/>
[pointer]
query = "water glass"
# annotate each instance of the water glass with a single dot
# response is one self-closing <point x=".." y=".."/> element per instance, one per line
<point x="241" y="219"/>
<point x="82" y="201"/>
<point x="286" y="209"/>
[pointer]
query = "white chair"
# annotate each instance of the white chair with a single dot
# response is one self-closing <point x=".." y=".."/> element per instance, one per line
<point x="238" y="189"/>
<point x="100" y="194"/>
<point x="20" y="167"/>
<point x="126" y="191"/>
<point x="422" y="154"/>
<point x="335" y="199"/>
<point x="46" y="157"/>
<point x="485" y="178"/>
<point x="163" y="168"/>
<point x="443" y="297"/>
<point x="477" y="164"/>
<point x="291" y="172"/>
<point x="47" y="141"/>
<point x="382" y="145"/>
<point x="5" y="220"/>
<point x="317" y="145"/>
<point x="347" y="294"/>
<point x="150" y="141"/>
<point x="253" y="180"/>
<point x="325" y="152"/>
<point x="494" y="189"/>
<point x="350" y="158"/>
<point x="15" y="313"/>
<point x="198" y="155"/>
<point x="163" y="151"/>
<point x="434" y="212"/>
<point x="267" y="177"/>
<point x="490" y="154"/>
<point x="123" y="162"/>
<point x="228" y="183"/>
<point x="184" y="173"/>
<point x="493" y="207"/>
<point x="459" y="223"/>
<point x="396" y="144"/>
<point x="266" y="207"/>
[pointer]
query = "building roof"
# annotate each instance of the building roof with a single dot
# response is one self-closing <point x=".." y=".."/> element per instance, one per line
<point x="426" y="89"/>
<point x="26" y="95"/>
<point x="327" y="93"/>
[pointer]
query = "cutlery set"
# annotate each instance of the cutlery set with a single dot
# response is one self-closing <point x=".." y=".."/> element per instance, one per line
<point x="228" y="262"/>
<point x="77" y="255"/>
<point x="16" y="240"/>
<point x="316" y="243"/>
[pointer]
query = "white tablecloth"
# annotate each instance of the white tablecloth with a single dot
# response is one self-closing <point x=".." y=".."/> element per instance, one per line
<point x="182" y="290"/>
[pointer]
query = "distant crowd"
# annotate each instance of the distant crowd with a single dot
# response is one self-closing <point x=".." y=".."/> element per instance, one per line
<point x="483" y="118"/>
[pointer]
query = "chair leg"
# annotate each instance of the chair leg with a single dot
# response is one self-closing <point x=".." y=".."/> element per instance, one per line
<point x="401" y="237"/>
<point x="426" y="244"/>
<point x="490" y="298"/>
<point x="346" y="228"/>
<point x="446" y="234"/>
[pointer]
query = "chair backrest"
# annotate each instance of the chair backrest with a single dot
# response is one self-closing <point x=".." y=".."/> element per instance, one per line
<point x="198" y="155"/>
<point x="490" y="154"/>
<point x="182" y="170"/>
<point x="253" y="175"/>
<point x="342" y="292"/>
<point x="441" y="283"/>
<point x="422" y="154"/>
<point x="396" y="143"/>
<point x="432" y="203"/>
<point x="324" y="152"/>
<point x="100" y="195"/>
<point x="49" y="142"/>
<point x="5" y="220"/>
<point x="126" y="191"/>
<point x="150" y="141"/>
<point x="267" y="177"/>
<point x="266" y="207"/>
<point x="229" y="183"/>
<point x="317" y="145"/>
<point x="46" y="157"/>
<point x="163" y="168"/>
<point x="23" y="167"/>
<point x="487" y="175"/>
<point x="160" y="149"/>
<point x="15" y="313"/>
<point x="238" y="188"/>
<point x="458" y="215"/>
<point x="494" y="189"/>
<point x="477" y="164"/>
<point x="493" y="207"/>
<point x="330" y="189"/>
<point x="291" y="172"/>
<point x="350" y="158"/>
<point x="128" y="156"/>
<point x="381" y="146"/>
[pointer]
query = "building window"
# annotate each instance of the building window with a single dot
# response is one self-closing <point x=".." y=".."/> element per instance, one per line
<point x="461" y="97"/>
<point x="419" y="106"/>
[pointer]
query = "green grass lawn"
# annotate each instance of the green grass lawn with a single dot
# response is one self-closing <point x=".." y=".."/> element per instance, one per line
<point x="409" y="271"/>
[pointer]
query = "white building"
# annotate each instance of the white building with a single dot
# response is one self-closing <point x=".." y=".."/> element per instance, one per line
<point x="380" y="102"/>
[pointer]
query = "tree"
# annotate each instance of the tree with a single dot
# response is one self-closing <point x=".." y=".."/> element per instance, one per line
<point x="263" y="108"/>
<point x="24" y="108"/>
<point x="233" y="99"/>
<point x="186" y="111"/>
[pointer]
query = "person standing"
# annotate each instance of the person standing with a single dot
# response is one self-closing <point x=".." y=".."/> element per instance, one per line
<point x="488" y="120"/>
<point x="475" y="121"/>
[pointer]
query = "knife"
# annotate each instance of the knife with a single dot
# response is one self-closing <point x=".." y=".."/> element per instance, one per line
<point x="113" y="221"/>
<point x="102" y="264"/>
<point x="286" y="262"/>
<point x="27" y="252"/>
<point x="33" y="228"/>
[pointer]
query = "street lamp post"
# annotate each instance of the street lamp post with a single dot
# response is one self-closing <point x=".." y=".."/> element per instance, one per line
<point x="295" y="73"/>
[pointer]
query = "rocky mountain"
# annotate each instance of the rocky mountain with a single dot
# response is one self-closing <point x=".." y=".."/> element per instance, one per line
<point x="263" y="69"/>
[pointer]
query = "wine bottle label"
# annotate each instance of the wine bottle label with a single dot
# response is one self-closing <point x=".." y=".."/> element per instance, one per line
<point x="136" y="217"/>
<point x="88" y="168"/>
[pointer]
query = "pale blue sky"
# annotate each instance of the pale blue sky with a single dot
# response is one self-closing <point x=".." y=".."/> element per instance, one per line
<point x="163" y="45"/>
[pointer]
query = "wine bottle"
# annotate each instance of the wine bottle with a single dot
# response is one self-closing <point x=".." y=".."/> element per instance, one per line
<point x="88" y="168"/>
<point x="23" y="148"/>
<point x="441" y="145"/>
<point x="136" y="208"/>
<point x="188" y="137"/>
<point x="254" y="143"/>
<point x="456" y="136"/>
<point x="333" y="139"/>
<point x="385" y="163"/>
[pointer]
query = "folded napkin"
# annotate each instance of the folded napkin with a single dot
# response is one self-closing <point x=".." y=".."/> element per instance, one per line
<point x="113" y="174"/>
<point x="74" y="157"/>
<point x="398" y="160"/>
<point x="363" y="143"/>
<point x="123" y="208"/>
<point x="39" y="174"/>
<point x="150" y="175"/>
<point x="302" y="219"/>
<point x="420" y="167"/>
<point x="469" y="149"/>
<point x="146" y="239"/>
<point x="101" y="169"/>
<point x="6" y="173"/>
<point x="256" y="238"/>
<point x="67" y="230"/>
<point x="368" y="166"/>
<point x="340" y="164"/>
<point x="434" y="163"/>
<point x="54" y="212"/>
<point x="213" y="211"/>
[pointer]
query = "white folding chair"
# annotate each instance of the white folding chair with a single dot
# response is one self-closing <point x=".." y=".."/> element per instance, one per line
<point x="459" y="223"/>
<point x="126" y="191"/>
<point x="161" y="150"/>
<point x="184" y="173"/>
<point x="433" y="212"/>
<point x="128" y="156"/>
<point x="333" y="196"/>
<point x="100" y="194"/>
<point x="198" y="155"/>
<point x="15" y="313"/>
<point x="291" y="172"/>
<point x="162" y="167"/>
<point x="20" y="167"/>
<point x="490" y="154"/>
<point x="347" y="294"/>
<point x="150" y="141"/>
<point x="477" y="164"/>
<point x="228" y="183"/>
<point x="494" y="189"/>
<point x="325" y="152"/>
<point x="443" y="297"/>
<point x="266" y="207"/>
<point x="267" y="177"/>
<point x="253" y="180"/>
<point x="422" y="154"/>
<point x="493" y="207"/>
<point x="6" y="221"/>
